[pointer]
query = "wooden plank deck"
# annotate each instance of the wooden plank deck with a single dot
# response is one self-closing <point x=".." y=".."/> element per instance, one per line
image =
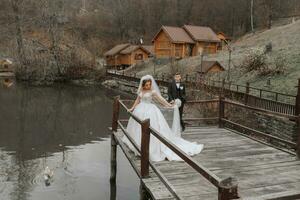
<point x="262" y="172"/>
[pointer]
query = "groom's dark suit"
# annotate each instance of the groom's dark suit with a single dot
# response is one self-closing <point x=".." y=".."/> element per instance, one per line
<point x="175" y="92"/>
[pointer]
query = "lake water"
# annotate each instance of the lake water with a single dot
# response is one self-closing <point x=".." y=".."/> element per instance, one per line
<point x="65" y="128"/>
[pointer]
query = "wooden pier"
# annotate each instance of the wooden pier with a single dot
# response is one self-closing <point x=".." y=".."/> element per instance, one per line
<point x="237" y="162"/>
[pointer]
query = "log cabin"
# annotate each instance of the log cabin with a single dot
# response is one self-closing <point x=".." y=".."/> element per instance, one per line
<point x="124" y="55"/>
<point x="180" y="42"/>
<point x="210" y="67"/>
<point x="172" y="42"/>
<point x="6" y="65"/>
<point x="133" y="54"/>
<point x="206" y="40"/>
<point x="112" y="56"/>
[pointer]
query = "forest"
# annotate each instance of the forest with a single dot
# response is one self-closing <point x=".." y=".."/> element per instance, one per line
<point x="64" y="33"/>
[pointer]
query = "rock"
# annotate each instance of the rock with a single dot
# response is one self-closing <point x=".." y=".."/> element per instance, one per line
<point x="111" y="84"/>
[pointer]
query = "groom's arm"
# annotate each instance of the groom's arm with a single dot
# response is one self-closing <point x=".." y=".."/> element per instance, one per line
<point x="171" y="98"/>
<point x="183" y="94"/>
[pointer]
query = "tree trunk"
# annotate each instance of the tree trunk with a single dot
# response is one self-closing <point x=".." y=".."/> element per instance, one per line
<point x="251" y="16"/>
<point x="15" y="4"/>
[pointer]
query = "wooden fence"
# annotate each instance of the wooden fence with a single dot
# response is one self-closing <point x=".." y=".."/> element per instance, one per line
<point x="251" y="96"/>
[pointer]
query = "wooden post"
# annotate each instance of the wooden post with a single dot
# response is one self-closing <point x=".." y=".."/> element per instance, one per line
<point x="297" y="137"/>
<point x="228" y="189"/>
<point x="222" y="88"/>
<point x="145" y="148"/>
<point x="116" y="110"/>
<point x="113" y="154"/>
<point x="113" y="159"/>
<point x="143" y="192"/>
<point x="221" y="111"/>
<point x="247" y="93"/>
<point x="297" y="106"/>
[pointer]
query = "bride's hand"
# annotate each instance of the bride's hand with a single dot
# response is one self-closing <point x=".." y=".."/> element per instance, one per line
<point x="172" y="104"/>
<point x="131" y="109"/>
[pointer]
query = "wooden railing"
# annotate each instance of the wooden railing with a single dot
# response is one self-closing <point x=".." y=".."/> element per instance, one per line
<point x="227" y="188"/>
<point x="252" y="96"/>
<point x="265" y="138"/>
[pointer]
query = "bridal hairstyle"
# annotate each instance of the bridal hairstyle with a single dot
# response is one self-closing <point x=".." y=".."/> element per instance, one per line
<point x="146" y="81"/>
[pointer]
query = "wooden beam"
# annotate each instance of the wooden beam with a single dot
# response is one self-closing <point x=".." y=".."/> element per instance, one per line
<point x="297" y="106"/>
<point x="297" y="135"/>
<point x="113" y="159"/>
<point x="221" y="111"/>
<point x="116" y="110"/>
<point x="145" y="143"/>
<point x="228" y="189"/>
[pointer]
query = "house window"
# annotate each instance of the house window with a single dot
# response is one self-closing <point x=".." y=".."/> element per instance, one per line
<point x="138" y="56"/>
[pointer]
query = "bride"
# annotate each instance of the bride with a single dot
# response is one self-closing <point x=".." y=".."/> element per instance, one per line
<point x="149" y="104"/>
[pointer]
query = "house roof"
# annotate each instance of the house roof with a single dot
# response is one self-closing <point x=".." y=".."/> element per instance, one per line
<point x="176" y="34"/>
<point x="150" y="48"/>
<point x="116" y="49"/>
<point x="132" y="48"/>
<point x="201" y="33"/>
<point x="207" y="65"/>
<point x="222" y="35"/>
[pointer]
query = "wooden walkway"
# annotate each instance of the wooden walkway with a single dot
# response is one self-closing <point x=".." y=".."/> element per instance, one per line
<point x="233" y="165"/>
<point x="262" y="172"/>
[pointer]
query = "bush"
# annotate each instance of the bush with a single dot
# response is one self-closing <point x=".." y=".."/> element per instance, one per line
<point x="257" y="61"/>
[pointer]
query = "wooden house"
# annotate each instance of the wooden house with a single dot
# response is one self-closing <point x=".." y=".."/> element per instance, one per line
<point x="133" y="54"/>
<point x="124" y="55"/>
<point x="172" y="42"/>
<point x="224" y="40"/>
<point x="6" y="65"/>
<point x="112" y="56"/>
<point x="180" y="42"/>
<point x="210" y="67"/>
<point x="206" y="40"/>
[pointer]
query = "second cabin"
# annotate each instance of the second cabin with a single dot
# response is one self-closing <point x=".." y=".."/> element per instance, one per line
<point x="180" y="42"/>
<point x="124" y="55"/>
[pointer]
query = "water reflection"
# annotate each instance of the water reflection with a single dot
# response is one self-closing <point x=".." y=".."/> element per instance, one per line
<point x="64" y="128"/>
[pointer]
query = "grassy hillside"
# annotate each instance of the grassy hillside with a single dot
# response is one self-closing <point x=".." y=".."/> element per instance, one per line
<point x="285" y="47"/>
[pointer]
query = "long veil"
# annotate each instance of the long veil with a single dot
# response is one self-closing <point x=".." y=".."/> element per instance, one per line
<point x="171" y="115"/>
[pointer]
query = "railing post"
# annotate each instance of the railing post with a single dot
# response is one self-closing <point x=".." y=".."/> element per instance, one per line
<point x="116" y="110"/>
<point x="145" y="125"/>
<point x="221" y="111"/>
<point x="297" y="137"/>
<point x="228" y="189"/>
<point x="222" y="87"/>
<point x="113" y="159"/>
<point x="247" y="93"/>
<point x="113" y="153"/>
<point x="297" y="106"/>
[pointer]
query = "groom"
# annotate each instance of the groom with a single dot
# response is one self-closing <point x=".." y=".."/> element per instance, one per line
<point x="176" y="90"/>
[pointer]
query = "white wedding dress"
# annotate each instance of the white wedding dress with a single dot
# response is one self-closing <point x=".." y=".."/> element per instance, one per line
<point x="147" y="109"/>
